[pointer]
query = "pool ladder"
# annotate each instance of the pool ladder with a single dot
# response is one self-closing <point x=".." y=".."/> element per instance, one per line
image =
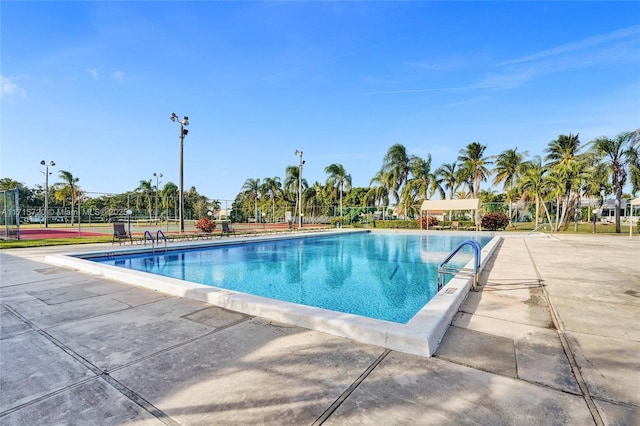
<point x="444" y="269"/>
<point x="153" y="241"/>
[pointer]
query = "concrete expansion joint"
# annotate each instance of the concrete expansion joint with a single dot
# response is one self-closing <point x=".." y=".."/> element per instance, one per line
<point x="178" y="345"/>
<point x="94" y="369"/>
<point x="140" y="401"/>
<point x="575" y="369"/>
<point x="336" y="404"/>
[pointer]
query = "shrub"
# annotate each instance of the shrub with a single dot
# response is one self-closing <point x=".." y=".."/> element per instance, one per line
<point x="205" y="225"/>
<point x="335" y="220"/>
<point x="494" y="221"/>
<point x="395" y="224"/>
<point x="431" y="221"/>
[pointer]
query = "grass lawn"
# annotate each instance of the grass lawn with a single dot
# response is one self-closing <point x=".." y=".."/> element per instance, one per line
<point x="583" y="228"/>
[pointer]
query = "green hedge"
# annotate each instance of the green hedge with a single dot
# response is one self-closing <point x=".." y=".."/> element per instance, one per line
<point x="394" y="224"/>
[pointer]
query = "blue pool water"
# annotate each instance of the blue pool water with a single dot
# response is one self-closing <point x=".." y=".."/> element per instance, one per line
<point x="382" y="276"/>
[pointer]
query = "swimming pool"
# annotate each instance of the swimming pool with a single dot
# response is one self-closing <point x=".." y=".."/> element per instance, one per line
<point x="381" y="276"/>
<point x="419" y="335"/>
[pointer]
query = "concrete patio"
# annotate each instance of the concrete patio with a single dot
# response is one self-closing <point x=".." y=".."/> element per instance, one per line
<point x="552" y="337"/>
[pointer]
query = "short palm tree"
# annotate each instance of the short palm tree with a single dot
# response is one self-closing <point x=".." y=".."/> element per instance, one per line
<point x="448" y="178"/>
<point x="620" y="155"/>
<point x="534" y="185"/>
<point x="71" y="184"/>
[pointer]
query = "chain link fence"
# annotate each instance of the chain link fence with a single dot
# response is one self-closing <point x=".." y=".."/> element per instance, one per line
<point x="161" y="210"/>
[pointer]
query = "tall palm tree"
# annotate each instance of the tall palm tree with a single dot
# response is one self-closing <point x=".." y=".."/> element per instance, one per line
<point x="566" y="164"/>
<point x="620" y="154"/>
<point x="169" y="196"/>
<point x="396" y="168"/>
<point x="291" y="185"/>
<point x="146" y="189"/>
<point x="380" y="192"/>
<point x="71" y="183"/>
<point x="338" y="178"/>
<point x="474" y="160"/>
<point x="251" y="188"/>
<point x="508" y="166"/>
<point x="271" y="187"/>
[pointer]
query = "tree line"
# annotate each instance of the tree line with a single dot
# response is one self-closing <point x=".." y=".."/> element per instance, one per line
<point x="568" y="171"/>
<point x="554" y="183"/>
<point x="143" y="200"/>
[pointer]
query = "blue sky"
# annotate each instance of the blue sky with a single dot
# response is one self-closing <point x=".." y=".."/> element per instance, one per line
<point x="91" y="85"/>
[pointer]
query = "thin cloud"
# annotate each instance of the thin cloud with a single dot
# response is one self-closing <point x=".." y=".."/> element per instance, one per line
<point x="578" y="45"/>
<point x="118" y="76"/>
<point x="93" y="73"/>
<point x="8" y="87"/>
<point x="427" y="89"/>
<point x="446" y="64"/>
<point x="331" y="59"/>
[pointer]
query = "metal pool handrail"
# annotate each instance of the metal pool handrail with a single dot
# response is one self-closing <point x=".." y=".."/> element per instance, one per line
<point x="443" y="270"/>
<point x="163" y="236"/>
<point x="144" y="240"/>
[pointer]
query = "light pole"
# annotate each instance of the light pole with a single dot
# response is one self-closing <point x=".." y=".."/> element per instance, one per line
<point x="183" y="133"/>
<point x="299" y="153"/>
<point x="157" y="176"/>
<point x="46" y="190"/>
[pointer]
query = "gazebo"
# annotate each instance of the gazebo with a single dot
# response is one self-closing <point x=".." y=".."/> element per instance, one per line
<point x="445" y="205"/>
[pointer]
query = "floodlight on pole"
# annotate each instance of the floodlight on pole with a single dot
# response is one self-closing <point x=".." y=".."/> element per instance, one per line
<point x="183" y="133"/>
<point x="46" y="190"/>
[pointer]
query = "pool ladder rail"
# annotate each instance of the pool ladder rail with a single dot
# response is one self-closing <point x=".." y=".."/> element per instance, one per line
<point x="444" y="269"/>
<point x="153" y="241"/>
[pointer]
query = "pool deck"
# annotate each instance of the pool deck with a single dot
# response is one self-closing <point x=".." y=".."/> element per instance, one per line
<point x="552" y="337"/>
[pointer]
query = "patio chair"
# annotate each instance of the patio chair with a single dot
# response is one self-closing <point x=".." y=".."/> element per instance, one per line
<point x="120" y="234"/>
<point x="227" y="229"/>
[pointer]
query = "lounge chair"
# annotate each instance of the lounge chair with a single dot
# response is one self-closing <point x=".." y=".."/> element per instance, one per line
<point x="120" y="234"/>
<point x="455" y="225"/>
<point x="227" y="229"/>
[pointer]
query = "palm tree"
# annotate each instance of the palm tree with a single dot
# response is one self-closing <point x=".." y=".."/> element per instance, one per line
<point x="422" y="182"/>
<point x="251" y="188"/>
<point x="271" y="187"/>
<point x="338" y="178"/>
<point x="620" y="154"/>
<point x="507" y="168"/>
<point x="380" y="192"/>
<point x="396" y="169"/>
<point x="448" y="176"/>
<point x="146" y="189"/>
<point x="169" y="195"/>
<point x="534" y="185"/>
<point x="475" y="163"/>
<point x="291" y="185"/>
<point x="566" y="164"/>
<point x="70" y="183"/>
